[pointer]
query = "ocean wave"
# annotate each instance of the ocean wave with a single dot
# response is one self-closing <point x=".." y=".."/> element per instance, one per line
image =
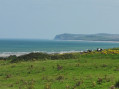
<point x="6" y="54"/>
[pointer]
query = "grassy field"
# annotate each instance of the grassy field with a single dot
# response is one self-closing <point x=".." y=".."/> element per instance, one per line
<point x="88" y="71"/>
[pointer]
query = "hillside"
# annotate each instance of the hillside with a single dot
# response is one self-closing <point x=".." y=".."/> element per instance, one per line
<point x="92" y="70"/>
<point x="88" y="37"/>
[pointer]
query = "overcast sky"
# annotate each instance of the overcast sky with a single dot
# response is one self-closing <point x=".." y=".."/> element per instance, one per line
<point x="43" y="19"/>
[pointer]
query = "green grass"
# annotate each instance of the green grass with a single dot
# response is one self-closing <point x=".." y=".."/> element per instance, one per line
<point x="94" y="71"/>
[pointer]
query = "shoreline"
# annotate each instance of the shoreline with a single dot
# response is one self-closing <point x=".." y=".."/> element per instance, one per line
<point x="90" y="41"/>
<point x="7" y="54"/>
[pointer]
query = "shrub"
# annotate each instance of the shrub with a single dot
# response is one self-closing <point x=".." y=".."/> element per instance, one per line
<point x="12" y="57"/>
<point x="59" y="67"/>
<point x="60" y="77"/>
<point x="99" y="81"/>
<point x="32" y="56"/>
<point x="8" y="76"/>
<point x="78" y="83"/>
<point x="117" y="84"/>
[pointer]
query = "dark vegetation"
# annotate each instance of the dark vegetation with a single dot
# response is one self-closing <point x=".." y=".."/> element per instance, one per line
<point x="40" y="56"/>
<point x="64" y="56"/>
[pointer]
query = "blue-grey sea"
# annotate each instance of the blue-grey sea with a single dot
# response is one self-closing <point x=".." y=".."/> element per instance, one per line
<point x="19" y="47"/>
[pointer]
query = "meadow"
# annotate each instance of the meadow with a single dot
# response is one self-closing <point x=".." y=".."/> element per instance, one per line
<point x="87" y="70"/>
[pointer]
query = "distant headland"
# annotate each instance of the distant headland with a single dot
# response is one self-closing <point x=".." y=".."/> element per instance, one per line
<point x="88" y="37"/>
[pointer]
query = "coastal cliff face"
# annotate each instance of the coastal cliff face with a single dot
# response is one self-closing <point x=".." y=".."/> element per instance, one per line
<point x="88" y="37"/>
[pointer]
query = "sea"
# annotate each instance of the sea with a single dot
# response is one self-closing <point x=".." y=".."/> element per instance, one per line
<point x="24" y="46"/>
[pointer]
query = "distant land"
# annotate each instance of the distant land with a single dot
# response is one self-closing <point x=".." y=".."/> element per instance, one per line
<point x="88" y="37"/>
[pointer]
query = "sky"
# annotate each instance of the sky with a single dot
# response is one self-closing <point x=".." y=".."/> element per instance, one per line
<point x="43" y="19"/>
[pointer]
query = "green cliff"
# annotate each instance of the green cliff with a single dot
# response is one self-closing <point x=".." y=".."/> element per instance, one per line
<point x="89" y="37"/>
